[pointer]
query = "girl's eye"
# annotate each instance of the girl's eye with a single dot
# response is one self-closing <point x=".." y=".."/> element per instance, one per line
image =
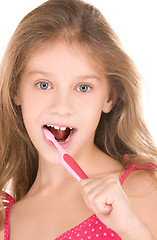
<point x="84" y="88"/>
<point x="44" y="85"/>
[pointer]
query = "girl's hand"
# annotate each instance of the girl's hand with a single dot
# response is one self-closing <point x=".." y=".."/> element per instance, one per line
<point x="106" y="198"/>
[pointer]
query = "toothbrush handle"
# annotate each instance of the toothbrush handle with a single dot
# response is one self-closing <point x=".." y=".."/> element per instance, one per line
<point x="74" y="166"/>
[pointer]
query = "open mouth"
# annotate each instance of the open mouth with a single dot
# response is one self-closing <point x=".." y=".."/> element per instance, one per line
<point x="61" y="134"/>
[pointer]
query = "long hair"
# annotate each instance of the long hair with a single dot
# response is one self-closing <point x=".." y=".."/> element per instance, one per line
<point x="119" y="132"/>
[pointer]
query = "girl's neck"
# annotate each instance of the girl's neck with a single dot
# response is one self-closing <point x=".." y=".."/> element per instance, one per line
<point x="52" y="177"/>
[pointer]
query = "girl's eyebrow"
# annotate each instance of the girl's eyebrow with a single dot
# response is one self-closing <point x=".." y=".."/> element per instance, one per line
<point x="80" y="77"/>
<point x="37" y="72"/>
<point x="90" y="76"/>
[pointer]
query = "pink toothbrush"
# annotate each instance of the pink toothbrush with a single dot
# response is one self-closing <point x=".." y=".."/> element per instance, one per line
<point x="68" y="162"/>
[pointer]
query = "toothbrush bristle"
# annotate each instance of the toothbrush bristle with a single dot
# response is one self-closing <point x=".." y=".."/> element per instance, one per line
<point x="48" y="134"/>
<point x="51" y="138"/>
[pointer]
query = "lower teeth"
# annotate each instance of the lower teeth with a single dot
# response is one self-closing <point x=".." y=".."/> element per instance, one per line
<point x="68" y="138"/>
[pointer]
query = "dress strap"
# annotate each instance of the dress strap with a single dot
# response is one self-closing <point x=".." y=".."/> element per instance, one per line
<point x="131" y="168"/>
<point x="8" y="202"/>
<point x="127" y="172"/>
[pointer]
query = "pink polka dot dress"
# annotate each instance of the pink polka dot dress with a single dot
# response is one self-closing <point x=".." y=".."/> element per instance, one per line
<point x="92" y="228"/>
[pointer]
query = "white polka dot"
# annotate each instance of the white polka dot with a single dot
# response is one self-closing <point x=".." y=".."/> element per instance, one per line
<point x="88" y="230"/>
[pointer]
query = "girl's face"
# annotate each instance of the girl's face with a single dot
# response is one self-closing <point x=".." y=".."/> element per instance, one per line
<point x="62" y="88"/>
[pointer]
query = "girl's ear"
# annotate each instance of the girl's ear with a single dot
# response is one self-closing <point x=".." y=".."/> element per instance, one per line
<point x="16" y="99"/>
<point x="111" y="101"/>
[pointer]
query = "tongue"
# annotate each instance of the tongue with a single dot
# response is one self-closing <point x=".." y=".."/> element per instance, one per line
<point x="59" y="134"/>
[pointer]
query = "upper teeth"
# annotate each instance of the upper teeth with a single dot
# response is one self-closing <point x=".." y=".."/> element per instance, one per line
<point x="58" y="128"/>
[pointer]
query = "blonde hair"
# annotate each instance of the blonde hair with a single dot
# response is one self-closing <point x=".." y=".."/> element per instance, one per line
<point x="119" y="132"/>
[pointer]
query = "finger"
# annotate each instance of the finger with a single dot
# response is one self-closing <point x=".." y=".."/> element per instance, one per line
<point x="88" y="185"/>
<point x="100" y="203"/>
<point x="107" y="208"/>
<point x="101" y="197"/>
<point x="92" y="187"/>
<point x="89" y="190"/>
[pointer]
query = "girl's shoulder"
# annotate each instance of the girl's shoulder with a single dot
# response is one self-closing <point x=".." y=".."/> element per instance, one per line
<point x="136" y="179"/>
<point x="139" y="180"/>
<point x="2" y="234"/>
<point x="141" y="188"/>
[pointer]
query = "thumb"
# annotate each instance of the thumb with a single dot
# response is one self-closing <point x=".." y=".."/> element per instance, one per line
<point x="107" y="208"/>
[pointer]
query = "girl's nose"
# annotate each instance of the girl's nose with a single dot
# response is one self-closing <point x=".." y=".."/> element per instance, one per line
<point x="61" y="104"/>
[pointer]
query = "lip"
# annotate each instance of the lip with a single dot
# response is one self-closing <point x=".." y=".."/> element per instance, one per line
<point x="58" y="125"/>
<point x="64" y="145"/>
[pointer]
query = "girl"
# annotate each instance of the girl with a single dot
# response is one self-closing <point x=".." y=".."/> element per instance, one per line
<point x="64" y="69"/>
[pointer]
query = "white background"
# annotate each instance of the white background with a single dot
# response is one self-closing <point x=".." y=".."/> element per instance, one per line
<point x="135" y="22"/>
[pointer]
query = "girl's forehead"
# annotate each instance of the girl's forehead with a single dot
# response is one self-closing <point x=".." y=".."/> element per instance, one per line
<point x="63" y="52"/>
